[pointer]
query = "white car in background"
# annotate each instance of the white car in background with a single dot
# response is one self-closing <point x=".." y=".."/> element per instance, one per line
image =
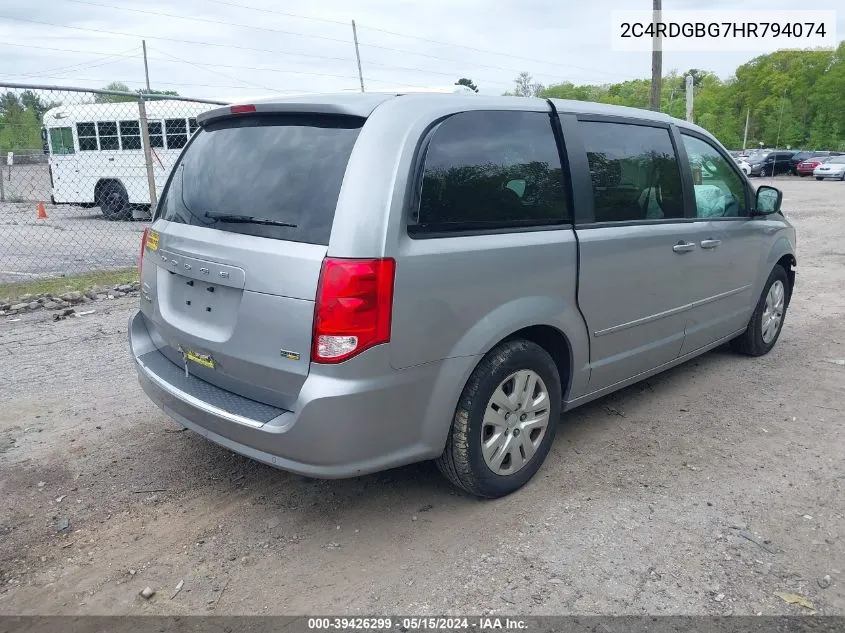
<point x="832" y="168"/>
<point x="743" y="165"/>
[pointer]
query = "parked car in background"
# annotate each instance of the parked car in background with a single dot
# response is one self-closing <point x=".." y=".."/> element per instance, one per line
<point x="743" y="165"/>
<point x="834" y="167"/>
<point x="771" y="164"/>
<point x="800" y="157"/>
<point x="502" y="278"/>
<point x="807" y="166"/>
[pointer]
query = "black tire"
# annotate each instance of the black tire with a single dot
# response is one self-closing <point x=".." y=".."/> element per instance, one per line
<point x="819" y="178"/>
<point x="751" y="341"/>
<point x="462" y="461"/>
<point x="114" y="201"/>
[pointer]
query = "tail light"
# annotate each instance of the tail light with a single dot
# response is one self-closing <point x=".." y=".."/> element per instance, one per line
<point x="242" y="109"/>
<point x="353" y="308"/>
<point x="143" y="248"/>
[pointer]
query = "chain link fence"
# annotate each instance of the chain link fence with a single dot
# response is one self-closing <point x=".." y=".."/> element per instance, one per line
<point x="80" y="171"/>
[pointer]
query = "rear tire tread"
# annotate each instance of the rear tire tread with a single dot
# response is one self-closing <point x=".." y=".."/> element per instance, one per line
<point x="455" y="462"/>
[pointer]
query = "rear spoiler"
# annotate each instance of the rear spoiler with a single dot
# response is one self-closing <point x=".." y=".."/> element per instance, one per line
<point x="358" y="105"/>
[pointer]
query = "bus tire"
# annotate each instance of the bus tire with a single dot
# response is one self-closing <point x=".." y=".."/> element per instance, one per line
<point x="114" y="201"/>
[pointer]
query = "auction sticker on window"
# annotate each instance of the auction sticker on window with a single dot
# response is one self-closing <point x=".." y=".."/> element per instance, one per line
<point x="711" y="31"/>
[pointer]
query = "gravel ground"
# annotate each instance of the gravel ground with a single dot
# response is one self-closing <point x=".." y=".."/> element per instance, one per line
<point x="709" y="489"/>
<point x="72" y="240"/>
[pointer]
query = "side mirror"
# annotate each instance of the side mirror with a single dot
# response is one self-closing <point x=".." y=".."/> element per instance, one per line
<point x="767" y="200"/>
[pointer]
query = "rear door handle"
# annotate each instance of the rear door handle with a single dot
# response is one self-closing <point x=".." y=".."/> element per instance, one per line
<point x="684" y="247"/>
<point x="710" y="243"/>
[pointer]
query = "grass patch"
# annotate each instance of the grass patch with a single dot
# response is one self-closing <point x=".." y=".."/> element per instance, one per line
<point x="60" y="285"/>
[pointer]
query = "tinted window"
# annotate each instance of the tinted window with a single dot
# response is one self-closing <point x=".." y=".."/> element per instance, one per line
<point x="156" y="137"/>
<point x="489" y="170"/>
<point x="634" y="172"/>
<point x="87" y="133"/>
<point x="130" y="134"/>
<point x="285" y="168"/>
<point x="719" y="190"/>
<point x="107" y="131"/>
<point x="176" y="131"/>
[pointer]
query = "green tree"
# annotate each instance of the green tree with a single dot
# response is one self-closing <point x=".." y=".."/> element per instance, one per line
<point x="469" y="83"/>
<point x="118" y="86"/>
<point x="793" y="98"/>
<point x="525" y="86"/>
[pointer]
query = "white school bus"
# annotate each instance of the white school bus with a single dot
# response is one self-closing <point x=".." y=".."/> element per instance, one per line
<point x="97" y="157"/>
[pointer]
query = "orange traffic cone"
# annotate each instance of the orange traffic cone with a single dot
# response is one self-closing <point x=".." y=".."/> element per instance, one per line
<point x="41" y="213"/>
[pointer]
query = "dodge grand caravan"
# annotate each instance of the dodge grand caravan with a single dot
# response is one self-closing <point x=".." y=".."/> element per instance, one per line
<point x="339" y="285"/>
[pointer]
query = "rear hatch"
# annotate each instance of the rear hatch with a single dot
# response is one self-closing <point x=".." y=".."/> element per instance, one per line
<point x="230" y="272"/>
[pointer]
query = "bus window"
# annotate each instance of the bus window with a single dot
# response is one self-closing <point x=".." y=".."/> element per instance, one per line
<point x="107" y="131"/>
<point x="130" y="135"/>
<point x="176" y="131"/>
<point x="61" y="138"/>
<point x="192" y="126"/>
<point x="154" y="128"/>
<point x="87" y="134"/>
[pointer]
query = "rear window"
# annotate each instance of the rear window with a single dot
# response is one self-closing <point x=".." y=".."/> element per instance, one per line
<point x="278" y="168"/>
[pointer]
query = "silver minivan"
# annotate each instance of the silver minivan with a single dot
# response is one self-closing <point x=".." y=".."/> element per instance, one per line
<point x="338" y="285"/>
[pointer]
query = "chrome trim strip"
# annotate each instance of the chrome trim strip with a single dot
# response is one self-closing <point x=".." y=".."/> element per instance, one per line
<point x="196" y="402"/>
<point x="662" y="315"/>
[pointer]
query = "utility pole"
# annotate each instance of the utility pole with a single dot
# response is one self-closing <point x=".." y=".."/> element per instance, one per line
<point x="690" y="98"/>
<point x="656" y="59"/>
<point x="146" y="67"/>
<point x="745" y="136"/>
<point x="357" y="55"/>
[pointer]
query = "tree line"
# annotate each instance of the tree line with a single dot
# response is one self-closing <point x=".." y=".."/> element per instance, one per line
<point x="792" y="98"/>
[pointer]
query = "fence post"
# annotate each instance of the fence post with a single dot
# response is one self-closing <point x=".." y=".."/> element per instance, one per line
<point x="2" y="189"/>
<point x="148" y="155"/>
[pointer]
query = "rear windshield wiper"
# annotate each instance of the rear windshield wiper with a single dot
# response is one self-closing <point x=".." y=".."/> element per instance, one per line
<point x="246" y="219"/>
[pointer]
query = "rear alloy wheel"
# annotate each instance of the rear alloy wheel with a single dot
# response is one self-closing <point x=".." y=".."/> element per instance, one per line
<point x="114" y="202"/>
<point x="767" y="321"/>
<point x="505" y="421"/>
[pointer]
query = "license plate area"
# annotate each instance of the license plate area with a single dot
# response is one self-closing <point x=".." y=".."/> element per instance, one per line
<point x="200" y="359"/>
<point x="200" y="308"/>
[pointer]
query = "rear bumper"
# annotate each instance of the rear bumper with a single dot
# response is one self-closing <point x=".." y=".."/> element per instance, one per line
<point x="349" y="419"/>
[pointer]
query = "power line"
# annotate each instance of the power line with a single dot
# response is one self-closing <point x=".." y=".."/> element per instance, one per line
<point x="89" y="64"/>
<point x="414" y="37"/>
<point x="282" y="52"/>
<point x="185" y="61"/>
<point x="273" y="70"/>
<point x="132" y="81"/>
<point x="344" y="59"/>
<point x="210" y="21"/>
<point x="345" y="41"/>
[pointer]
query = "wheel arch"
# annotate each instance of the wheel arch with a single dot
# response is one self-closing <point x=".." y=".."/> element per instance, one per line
<point x="788" y="263"/>
<point x="555" y="343"/>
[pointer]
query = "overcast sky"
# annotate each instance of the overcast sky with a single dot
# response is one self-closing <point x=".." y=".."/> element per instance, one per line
<point x="210" y="50"/>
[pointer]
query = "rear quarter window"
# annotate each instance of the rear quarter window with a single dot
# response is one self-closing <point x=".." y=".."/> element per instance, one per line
<point x="490" y="170"/>
<point x="277" y="168"/>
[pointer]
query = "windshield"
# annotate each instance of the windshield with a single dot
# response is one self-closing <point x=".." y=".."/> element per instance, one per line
<point x="836" y="159"/>
<point x="276" y="176"/>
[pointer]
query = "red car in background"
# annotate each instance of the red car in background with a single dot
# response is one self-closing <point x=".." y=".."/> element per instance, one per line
<point x="805" y="168"/>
